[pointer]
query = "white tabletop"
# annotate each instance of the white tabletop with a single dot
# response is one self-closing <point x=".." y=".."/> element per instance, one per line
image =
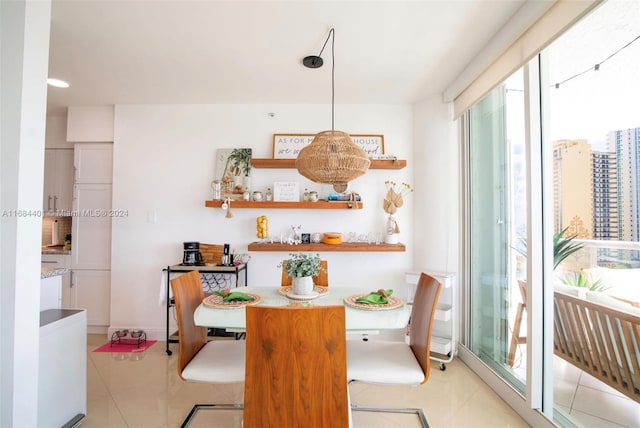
<point x="356" y="319"/>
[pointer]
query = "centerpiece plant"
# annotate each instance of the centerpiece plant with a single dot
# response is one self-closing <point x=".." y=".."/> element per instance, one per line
<point x="300" y="265"/>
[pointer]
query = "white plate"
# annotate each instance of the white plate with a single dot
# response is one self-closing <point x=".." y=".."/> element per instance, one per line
<point x="294" y="296"/>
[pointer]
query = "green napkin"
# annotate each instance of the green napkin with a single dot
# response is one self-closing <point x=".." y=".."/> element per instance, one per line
<point x="233" y="296"/>
<point x="376" y="297"/>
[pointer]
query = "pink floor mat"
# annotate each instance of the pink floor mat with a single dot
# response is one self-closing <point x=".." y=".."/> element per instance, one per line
<point x="125" y="347"/>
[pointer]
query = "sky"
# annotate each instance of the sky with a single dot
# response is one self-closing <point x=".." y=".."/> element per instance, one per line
<point x="596" y="102"/>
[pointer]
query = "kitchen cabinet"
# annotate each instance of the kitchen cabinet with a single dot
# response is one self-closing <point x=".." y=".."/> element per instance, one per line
<point x="50" y="292"/>
<point x="58" y="181"/>
<point x="91" y="290"/>
<point x="93" y="163"/>
<point x="62" y="368"/>
<point x="60" y="261"/>
<point x="91" y="228"/>
<point x="91" y="233"/>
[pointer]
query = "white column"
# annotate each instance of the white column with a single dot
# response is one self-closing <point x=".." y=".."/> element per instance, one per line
<point x="24" y="52"/>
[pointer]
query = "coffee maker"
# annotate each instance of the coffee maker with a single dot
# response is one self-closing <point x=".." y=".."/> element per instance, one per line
<point x="192" y="255"/>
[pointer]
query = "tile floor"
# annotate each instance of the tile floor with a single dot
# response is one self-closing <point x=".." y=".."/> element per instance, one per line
<point x="144" y="390"/>
<point x="590" y="402"/>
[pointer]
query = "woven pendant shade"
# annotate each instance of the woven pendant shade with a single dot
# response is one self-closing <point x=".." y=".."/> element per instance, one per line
<point x="332" y="158"/>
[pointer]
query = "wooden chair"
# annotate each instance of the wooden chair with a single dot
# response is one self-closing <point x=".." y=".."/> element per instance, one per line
<point x="322" y="279"/>
<point x="296" y="374"/>
<point x="218" y="361"/>
<point x="516" y="338"/>
<point x="396" y="363"/>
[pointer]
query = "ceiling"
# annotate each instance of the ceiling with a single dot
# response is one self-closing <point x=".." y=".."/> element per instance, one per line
<point x="241" y="52"/>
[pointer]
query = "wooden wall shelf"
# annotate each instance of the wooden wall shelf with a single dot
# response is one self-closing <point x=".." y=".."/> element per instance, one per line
<point x="291" y="163"/>
<point x="320" y="205"/>
<point x="344" y="247"/>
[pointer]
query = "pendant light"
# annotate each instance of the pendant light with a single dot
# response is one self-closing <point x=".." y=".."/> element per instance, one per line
<point x="332" y="157"/>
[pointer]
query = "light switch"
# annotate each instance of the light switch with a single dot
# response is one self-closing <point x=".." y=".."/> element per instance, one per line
<point x="152" y="217"/>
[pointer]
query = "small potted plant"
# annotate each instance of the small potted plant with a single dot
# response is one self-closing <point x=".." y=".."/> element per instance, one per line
<point x="302" y="267"/>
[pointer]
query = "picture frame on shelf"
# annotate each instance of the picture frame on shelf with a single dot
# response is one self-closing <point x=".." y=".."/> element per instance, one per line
<point x="233" y="169"/>
<point x="287" y="146"/>
<point x="286" y="191"/>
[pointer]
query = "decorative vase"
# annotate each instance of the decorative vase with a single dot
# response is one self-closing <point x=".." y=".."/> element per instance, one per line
<point x="391" y="238"/>
<point x="392" y="231"/>
<point x="302" y="286"/>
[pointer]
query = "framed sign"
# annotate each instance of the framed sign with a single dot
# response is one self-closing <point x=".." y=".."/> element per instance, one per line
<point x="287" y="146"/>
<point x="286" y="191"/>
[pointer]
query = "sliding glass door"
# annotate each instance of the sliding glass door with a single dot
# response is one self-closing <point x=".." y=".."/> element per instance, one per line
<point x="532" y="182"/>
<point x="497" y="228"/>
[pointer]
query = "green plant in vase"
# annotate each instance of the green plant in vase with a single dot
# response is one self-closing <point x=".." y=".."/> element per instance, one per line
<point x="301" y="264"/>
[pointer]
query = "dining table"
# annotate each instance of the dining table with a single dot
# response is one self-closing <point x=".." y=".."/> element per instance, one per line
<point x="359" y="317"/>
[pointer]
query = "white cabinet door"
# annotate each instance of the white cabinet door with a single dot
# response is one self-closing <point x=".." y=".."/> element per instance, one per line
<point x="64" y="174"/>
<point x="49" y="180"/>
<point x="91" y="228"/>
<point x="58" y="181"/>
<point x="51" y="293"/>
<point x="91" y="290"/>
<point x="93" y="162"/>
<point x="60" y="261"/>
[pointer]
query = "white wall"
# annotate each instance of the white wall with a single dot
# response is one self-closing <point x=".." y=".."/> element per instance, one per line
<point x="90" y="124"/>
<point x="163" y="166"/>
<point x="437" y="174"/>
<point x="56" y="133"/>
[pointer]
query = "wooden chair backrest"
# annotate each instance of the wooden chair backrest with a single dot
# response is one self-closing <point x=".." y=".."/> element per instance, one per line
<point x="296" y="367"/>
<point x="188" y="294"/>
<point x="522" y="285"/>
<point x="422" y="314"/>
<point x="321" y="279"/>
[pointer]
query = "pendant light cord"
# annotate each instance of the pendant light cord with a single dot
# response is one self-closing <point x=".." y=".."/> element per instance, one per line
<point x="333" y="72"/>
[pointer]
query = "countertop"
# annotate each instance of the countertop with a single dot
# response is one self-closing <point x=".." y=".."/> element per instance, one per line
<point x="50" y="272"/>
<point x="58" y="249"/>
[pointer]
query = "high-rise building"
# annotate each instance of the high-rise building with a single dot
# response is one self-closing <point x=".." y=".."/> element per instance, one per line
<point x="572" y="181"/>
<point x="626" y="144"/>
<point x="604" y="181"/>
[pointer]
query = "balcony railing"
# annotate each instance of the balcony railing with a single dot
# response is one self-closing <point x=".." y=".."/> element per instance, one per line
<point x="611" y="254"/>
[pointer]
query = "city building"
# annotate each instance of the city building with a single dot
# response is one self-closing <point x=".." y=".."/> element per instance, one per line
<point x="626" y="144"/>
<point x="572" y="179"/>
<point x="605" y="195"/>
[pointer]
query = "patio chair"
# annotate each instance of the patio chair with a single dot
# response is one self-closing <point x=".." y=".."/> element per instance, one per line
<point x="516" y="338"/>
